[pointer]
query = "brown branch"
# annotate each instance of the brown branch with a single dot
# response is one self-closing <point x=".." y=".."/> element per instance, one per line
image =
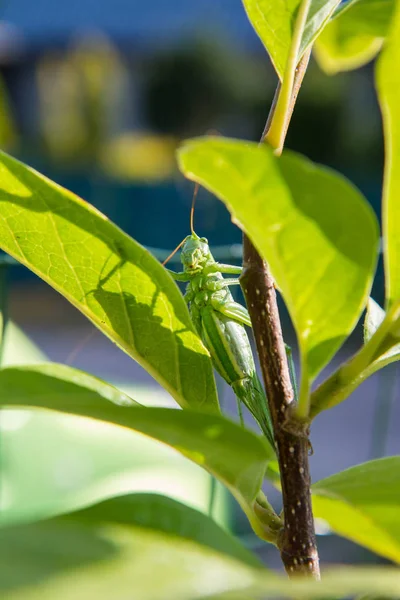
<point x="297" y="540"/>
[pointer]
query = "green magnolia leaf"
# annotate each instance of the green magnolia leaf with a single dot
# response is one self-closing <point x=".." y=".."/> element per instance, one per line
<point x="166" y="515"/>
<point x="141" y="546"/>
<point x="89" y="462"/>
<point x="388" y="85"/>
<point x="273" y="20"/>
<point x="354" y="36"/>
<point x="47" y="384"/>
<point x="317" y="232"/>
<point x="234" y="455"/>
<point x="110" y="278"/>
<point x="370" y="16"/>
<point x="152" y="548"/>
<point x="363" y="504"/>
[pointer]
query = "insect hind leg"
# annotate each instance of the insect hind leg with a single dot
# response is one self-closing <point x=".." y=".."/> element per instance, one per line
<point x="233" y="310"/>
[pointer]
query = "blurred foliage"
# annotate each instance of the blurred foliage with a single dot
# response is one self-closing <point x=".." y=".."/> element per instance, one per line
<point x="53" y="463"/>
<point x="202" y="83"/>
<point x="131" y="157"/>
<point x="355" y="36"/>
<point x="8" y="133"/>
<point x="80" y="97"/>
<point x="124" y="111"/>
<point x="114" y="549"/>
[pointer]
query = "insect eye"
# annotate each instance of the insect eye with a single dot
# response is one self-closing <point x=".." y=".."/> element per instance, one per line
<point x="204" y="240"/>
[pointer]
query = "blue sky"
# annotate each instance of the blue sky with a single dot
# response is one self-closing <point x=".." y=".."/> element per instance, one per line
<point x="128" y="20"/>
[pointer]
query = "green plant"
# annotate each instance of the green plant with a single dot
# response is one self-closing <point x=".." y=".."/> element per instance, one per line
<point x="305" y="228"/>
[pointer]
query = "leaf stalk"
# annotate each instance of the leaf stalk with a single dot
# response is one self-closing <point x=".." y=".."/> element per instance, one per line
<point x="275" y="136"/>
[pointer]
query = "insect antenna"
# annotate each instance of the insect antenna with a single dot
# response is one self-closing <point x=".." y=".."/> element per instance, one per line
<point x="195" y="192"/>
<point x="173" y="253"/>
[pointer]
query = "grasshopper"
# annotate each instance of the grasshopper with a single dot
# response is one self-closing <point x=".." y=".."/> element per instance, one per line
<point x="220" y="321"/>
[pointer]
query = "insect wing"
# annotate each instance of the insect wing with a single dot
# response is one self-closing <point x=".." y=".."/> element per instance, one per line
<point x="228" y="344"/>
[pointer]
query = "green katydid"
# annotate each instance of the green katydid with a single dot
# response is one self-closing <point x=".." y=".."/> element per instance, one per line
<point x="220" y="321"/>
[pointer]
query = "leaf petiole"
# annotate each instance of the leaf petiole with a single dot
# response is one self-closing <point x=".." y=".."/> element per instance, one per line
<point x="276" y="134"/>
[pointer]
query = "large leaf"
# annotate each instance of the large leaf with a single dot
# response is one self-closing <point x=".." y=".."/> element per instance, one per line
<point x="274" y="20"/>
<point x="234" y="455"/>
<point x="315" y="229"/>
<point x="388" y="83"/>
<point x="113" y="280"/>
<point x="141" y="546"/>
<point x="363" y="504"/>
<point x="151" y="548"/>
<point x="355" y="36"/>
<point x="368" y="16"/>
<point x="52" y="463"/>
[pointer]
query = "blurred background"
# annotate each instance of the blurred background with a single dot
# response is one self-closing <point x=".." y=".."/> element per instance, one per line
<point x="97" y="95"/>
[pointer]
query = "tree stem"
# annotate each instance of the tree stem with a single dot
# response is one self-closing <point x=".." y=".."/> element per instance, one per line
<point x="297" y="542"/>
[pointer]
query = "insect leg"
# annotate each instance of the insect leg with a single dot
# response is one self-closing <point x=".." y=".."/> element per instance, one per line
<point x="214" y="286"/>
<point x="227" y="269"/>
<point x="239" y="313"/>
<point x="178" y="276"/>
<point x="240" y="411"/>
<point x="235" y="311"/>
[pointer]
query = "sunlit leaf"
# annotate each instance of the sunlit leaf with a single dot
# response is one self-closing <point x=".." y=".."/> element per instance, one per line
<point x="317" y="232"/>
<point x="152" y="548"/>
<point x="369" y="16"/>
<point x="354" y="36"/>
<point x="363" y="504"/>
<point x="140" y="546"/>
<point x="274" y="20"/>
<point x="234" y="455"/>
<point x="109" y="277"/>
<point x="91" y="461"/>
<point x="388" y="84"/>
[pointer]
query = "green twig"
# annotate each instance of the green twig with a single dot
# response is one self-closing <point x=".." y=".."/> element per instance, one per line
<point x="276" y="133"/>
<point x="367" y="361"/>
